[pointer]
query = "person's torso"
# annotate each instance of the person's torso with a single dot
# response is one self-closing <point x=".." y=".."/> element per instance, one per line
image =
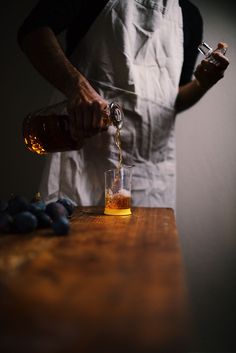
<point x="132" y="54"/>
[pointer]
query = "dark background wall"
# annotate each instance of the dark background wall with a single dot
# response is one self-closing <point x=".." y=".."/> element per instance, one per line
<point x="22" y="90"/>
<point x="206" y="155"/>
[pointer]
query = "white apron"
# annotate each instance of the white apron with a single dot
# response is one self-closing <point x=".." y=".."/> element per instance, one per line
<point x="133" y="55"/>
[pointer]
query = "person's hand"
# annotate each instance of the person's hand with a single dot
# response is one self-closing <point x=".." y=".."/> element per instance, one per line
<point x="210" y="72"/>
<point x="87" y="111"/>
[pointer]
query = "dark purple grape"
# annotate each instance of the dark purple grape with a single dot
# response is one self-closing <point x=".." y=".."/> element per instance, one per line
<point x="25" y="222"/>
<point x="61" y="226"/>
<point x="6" y="221"/>
<point x="68" y="204"/>
<point x="37" y="207"/>
<point x="56" y="210"/>
<point x="40" y="204"/>
<point x="44" y="220"/>
<point x="17" y="204"/>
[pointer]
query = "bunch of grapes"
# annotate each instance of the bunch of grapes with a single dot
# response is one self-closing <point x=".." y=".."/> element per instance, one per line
<point x="18" y="215"/>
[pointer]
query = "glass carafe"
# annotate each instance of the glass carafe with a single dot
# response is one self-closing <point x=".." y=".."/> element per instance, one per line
<point x="49" y="129"/>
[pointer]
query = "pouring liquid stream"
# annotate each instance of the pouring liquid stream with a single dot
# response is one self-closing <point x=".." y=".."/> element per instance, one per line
<point x="118" y="144"/>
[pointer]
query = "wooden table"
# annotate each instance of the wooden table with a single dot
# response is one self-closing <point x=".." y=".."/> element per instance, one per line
<point x="114" y="284"/>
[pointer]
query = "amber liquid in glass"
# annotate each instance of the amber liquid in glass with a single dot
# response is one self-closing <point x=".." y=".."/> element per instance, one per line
<point x="118" y="203"/>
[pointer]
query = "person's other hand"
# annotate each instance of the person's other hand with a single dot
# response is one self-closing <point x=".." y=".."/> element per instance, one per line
<point x="87" y="110"/>
<point x="208" y="72"/>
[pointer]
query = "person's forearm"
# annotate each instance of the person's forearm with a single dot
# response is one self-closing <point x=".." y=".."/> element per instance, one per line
<point x="188" y="95"/>
<point x="85" y="106"/>
<point x="45" y="53"/>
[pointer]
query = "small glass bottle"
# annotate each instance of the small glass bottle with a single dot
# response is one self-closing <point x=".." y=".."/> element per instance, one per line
<point x="207" y="50"/>
<point x="49" y="130"/>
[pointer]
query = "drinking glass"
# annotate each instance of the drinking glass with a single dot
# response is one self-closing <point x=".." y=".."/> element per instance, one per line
<point x="118" y="191"/>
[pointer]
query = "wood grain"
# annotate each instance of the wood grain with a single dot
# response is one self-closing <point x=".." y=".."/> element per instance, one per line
<point x="114" y="284"/>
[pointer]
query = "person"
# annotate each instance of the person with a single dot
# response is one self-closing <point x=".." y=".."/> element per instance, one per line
<point x="138" y="53"/>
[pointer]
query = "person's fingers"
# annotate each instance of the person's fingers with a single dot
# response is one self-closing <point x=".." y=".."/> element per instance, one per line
<point x="88" y="111"/>
<point x="96" y="115"/>
<point x="204" y="69"/>
<point x="212" y="68"/>
<point x="221" y="60"/>
<point x="87" y="117"/>
<point x="208" y="74"/>
<point x="100" y="115"/>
